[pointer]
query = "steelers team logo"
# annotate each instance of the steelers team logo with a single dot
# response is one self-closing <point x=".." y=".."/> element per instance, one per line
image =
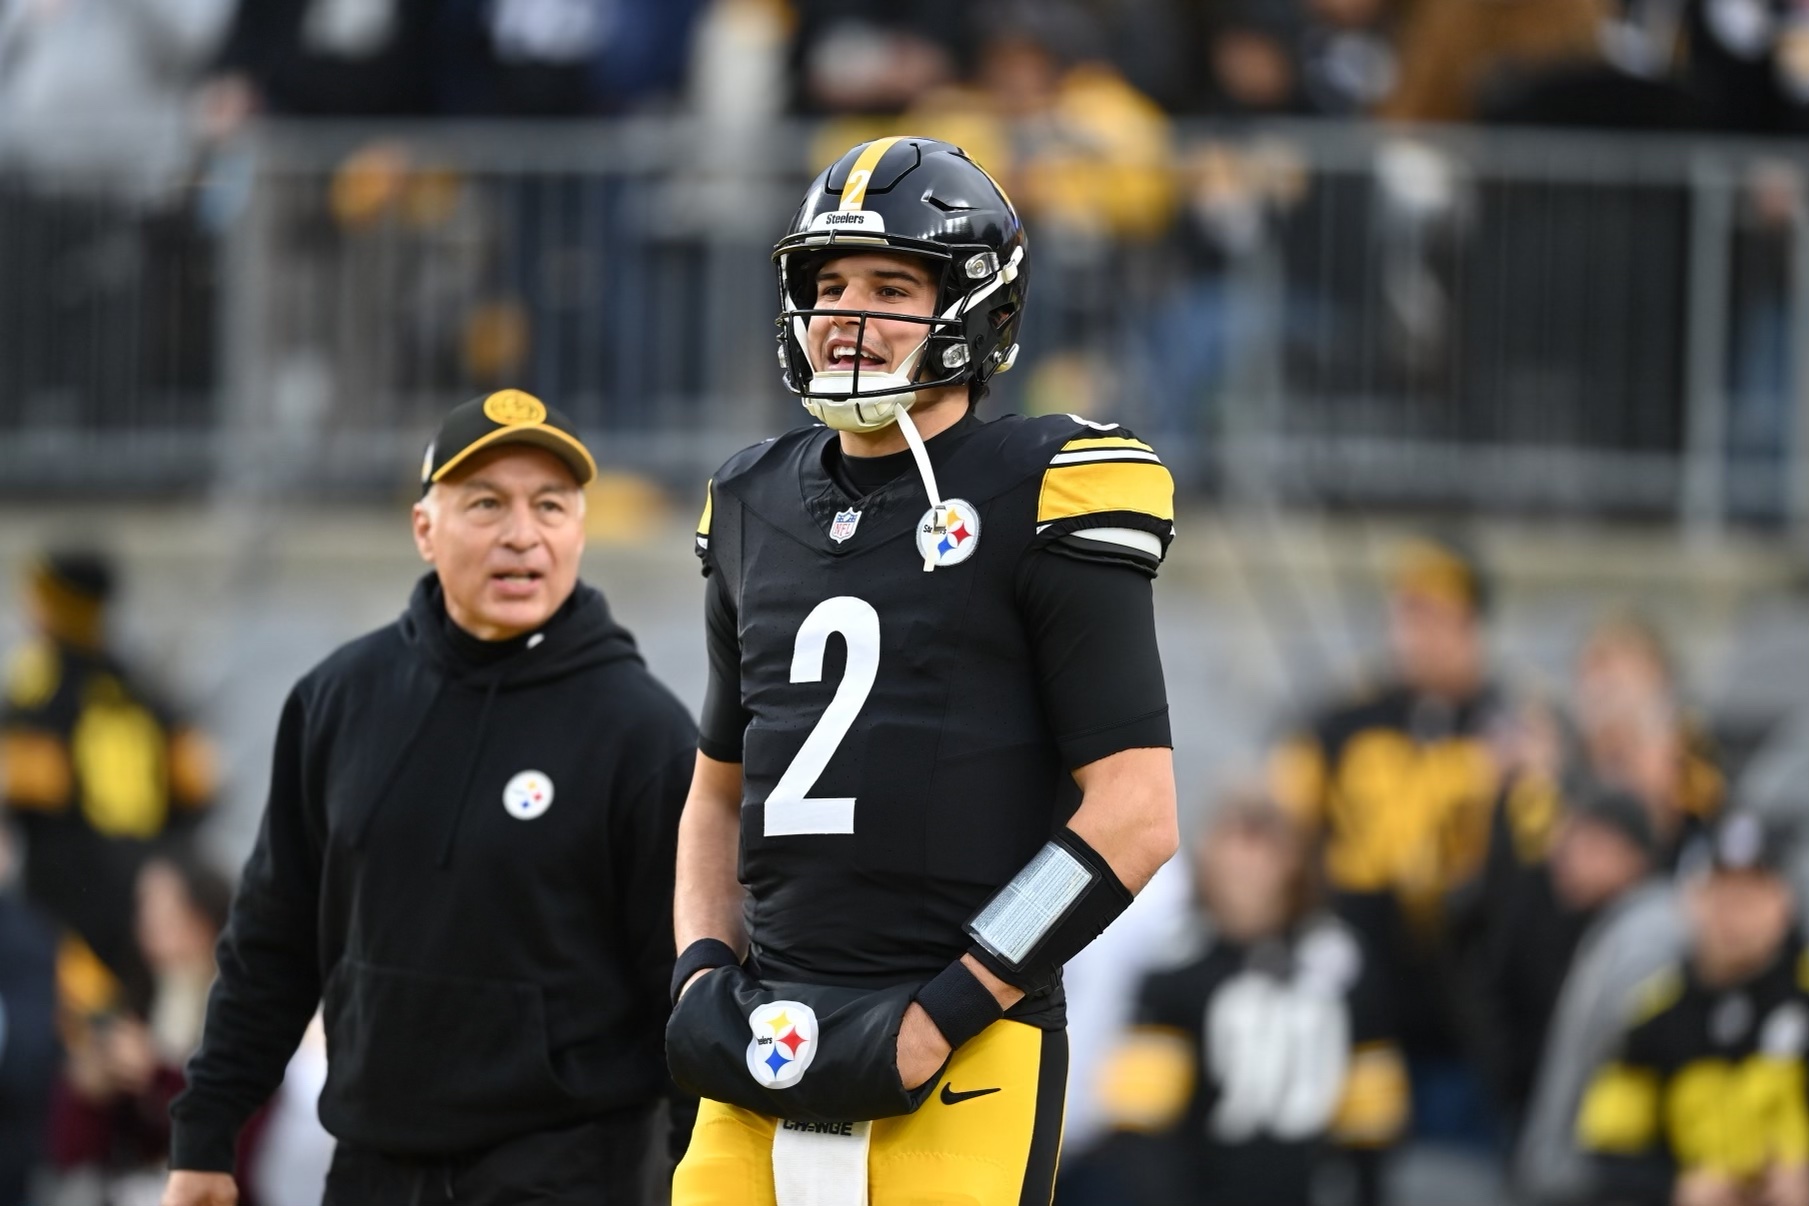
<point x="784" y="1043"/>
<point x="513" y="406"/>
<point x="949" y="534"/>
<point x="528" y="795"/>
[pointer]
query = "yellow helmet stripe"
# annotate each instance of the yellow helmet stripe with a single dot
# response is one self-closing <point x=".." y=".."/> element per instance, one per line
<point x="854" y="189"/>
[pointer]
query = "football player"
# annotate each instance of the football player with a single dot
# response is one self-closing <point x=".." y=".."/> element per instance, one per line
<point x="935" y="756"/>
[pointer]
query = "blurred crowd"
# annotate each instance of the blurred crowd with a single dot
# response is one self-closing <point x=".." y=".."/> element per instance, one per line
<point x="1531" y="932"/>
<point x="1719" y="64"/>
<point x="109" y="911"/>
<point x="1543" y="932"/>
<point x="1186" y="259"/>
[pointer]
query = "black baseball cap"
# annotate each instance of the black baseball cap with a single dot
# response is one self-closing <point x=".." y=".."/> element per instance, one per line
<point x="508" y="416"/>
<point x="81" y="572"/>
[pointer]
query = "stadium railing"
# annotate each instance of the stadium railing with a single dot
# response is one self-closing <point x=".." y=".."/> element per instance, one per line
<point x="1521" y="321"/>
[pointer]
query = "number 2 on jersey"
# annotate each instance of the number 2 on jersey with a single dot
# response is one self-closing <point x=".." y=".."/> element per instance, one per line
<point x="788" y="810"/>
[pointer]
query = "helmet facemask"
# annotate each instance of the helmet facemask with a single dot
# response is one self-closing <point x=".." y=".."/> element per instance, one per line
<point x="957" y="336"/>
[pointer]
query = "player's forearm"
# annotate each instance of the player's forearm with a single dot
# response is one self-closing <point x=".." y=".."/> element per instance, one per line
<point x="707" y="901"/>
<point x="1127" y="812"/>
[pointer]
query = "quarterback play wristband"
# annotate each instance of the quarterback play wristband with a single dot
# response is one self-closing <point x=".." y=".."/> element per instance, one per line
<point x="959" y="1004"/>
<point x="1050" y="910"/>
<point x="702" y="955"/>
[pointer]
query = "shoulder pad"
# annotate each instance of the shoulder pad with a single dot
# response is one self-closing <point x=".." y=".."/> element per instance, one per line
<point x="33" y="675"/>
<point x="1106" y="493"/>
<point x="1655" y="994"/>
<point x="752" y="459"/>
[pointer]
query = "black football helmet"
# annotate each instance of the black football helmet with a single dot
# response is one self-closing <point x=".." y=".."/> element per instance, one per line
<point x="922" y="197"/>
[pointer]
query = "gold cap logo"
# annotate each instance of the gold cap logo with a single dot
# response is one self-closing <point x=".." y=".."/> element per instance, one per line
<point x="513" y="406"/>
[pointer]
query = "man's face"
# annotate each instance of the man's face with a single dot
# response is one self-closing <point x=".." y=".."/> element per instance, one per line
<point x="1437" y="642"/>
<point x="1593" y="862"/>
<point x="882" y="282"/>
<point x="1741" y="919"/>
<point x="504" y="535"/>
<point x="1247" y="875"/>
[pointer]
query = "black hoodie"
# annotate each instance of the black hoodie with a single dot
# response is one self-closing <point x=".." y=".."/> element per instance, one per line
<point x="467" y="859"/>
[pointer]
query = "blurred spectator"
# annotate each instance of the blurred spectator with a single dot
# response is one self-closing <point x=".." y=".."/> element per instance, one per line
<point x="95" y="94"/>
<point x="1748" y="64"/>
<point x="327" y="58"/>
<point x="28" y="1041"/>
<point x="1101" y="984"/>
<point x="1263" y="1048"/>
<point x="1455" y="51"/>
<point x="1602" y="848"/>
<point x="1635" y="936"/>
<point x="871" y="57"/>
<point x="1705" y="1104"/>
<point x="1400" y="782"/>
<point x="111" y="1123"/>
<point x="97" y="770"/>
<point x="1286" y="57"/>
<point x="1636" y="734"/>
<point x="562" y="58"/>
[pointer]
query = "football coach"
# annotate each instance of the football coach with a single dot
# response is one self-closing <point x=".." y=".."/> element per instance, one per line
<point x="466" y="860"/>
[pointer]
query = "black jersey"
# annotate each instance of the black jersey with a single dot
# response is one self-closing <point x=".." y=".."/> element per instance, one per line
<point x="905" y="733"/>
<point x="1246" y="1062"/>
<point x="1400" y="784"/>
<point x="1707" y="1079"/>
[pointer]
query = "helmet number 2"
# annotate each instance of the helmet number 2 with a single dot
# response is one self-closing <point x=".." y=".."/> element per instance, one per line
<point x="788" y="809"/>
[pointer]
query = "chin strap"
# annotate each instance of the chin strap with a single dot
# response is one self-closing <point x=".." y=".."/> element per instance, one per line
<point x="922" y="456"/>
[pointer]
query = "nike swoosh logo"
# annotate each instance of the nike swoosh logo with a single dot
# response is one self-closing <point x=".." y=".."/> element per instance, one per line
<point x="950" y="1097"/>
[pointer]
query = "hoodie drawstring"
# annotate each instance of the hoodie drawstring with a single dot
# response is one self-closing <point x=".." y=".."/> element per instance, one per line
<point x="477" y="749"/>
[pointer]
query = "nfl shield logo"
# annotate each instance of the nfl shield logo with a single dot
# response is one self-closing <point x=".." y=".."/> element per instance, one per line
<point x="844" y="525"/>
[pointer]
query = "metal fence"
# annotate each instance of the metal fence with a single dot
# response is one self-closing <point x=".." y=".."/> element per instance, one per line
<point x="1346" y="314"/>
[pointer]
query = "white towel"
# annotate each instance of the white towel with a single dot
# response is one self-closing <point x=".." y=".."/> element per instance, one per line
<point x="821" y="1163"/>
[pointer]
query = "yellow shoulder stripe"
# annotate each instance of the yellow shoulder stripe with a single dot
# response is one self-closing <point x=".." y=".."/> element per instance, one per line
<point x="33" y="676"/>
<point x="1090" y="488"/>
<point x="1093" y="442"/>
<point x="1620" y="1112"/>
<point x="703" y="523"/>
<point x="85" y="985"/>
<point x="35" y="771"/>
<point x="1376" y="1101"/>
<point x="1148" y="1079"/>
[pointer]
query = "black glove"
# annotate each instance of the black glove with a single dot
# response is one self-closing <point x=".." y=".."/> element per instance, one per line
<point x="803" y="1052"/>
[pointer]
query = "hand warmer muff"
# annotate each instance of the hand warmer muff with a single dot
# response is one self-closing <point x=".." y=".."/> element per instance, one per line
<point x="802" y="1052"/>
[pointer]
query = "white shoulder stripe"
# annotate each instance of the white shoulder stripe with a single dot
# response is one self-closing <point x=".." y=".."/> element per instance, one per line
<point x="1130" y="538"/>
<point x="1103" y="454"/>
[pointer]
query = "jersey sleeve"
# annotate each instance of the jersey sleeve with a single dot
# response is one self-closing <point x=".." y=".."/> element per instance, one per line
<point x="723" y="725"/>
<point x="1092" y="628"/>
<point x="1107" y="496"/>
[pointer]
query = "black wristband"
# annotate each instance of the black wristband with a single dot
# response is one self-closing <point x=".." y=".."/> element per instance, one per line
<point x="1049" y="911"/>
<point x="701" y="955"/>
<point x="959" y="1004"/>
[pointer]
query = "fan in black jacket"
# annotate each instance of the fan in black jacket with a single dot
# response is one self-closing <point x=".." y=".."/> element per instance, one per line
<point x="466" y="859"/>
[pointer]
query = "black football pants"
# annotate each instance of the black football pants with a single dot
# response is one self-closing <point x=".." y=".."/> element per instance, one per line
<point x="604" y="1162"/>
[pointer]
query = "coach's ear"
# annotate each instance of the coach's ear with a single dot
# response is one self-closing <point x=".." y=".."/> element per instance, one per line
<point x="425" y="514"/>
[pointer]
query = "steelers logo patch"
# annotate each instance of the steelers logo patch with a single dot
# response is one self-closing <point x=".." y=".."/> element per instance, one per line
<point x="949" y="534"/>
<point x="528" y="795"/>
<point x="511" y="407"/>
<point x="784" y="1043"/>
